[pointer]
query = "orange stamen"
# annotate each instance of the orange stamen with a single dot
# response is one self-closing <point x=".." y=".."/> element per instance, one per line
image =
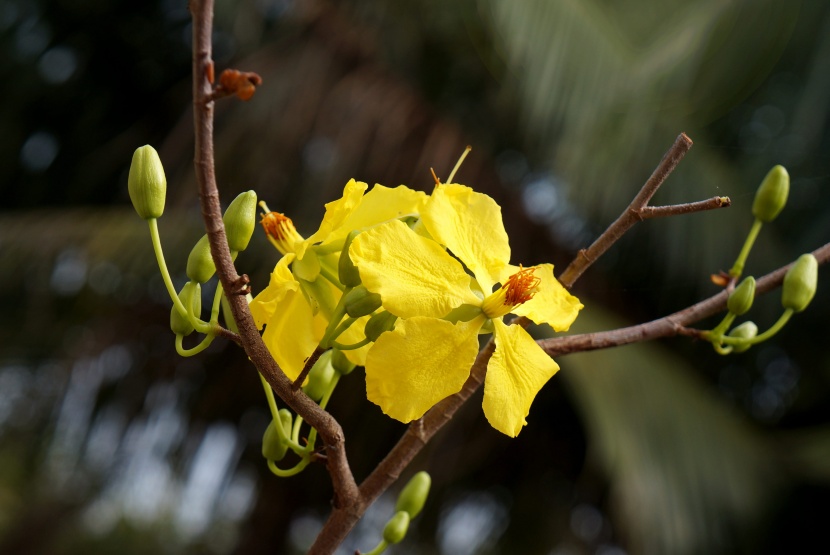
<point x="520" y="287"/>
<point x="276" y="225"/>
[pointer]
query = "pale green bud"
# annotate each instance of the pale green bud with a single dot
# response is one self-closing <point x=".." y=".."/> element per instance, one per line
<point x="320" y="377"/>
<point x="747" y="330"/>
<point x="200" y="266"/>
<point x="346" y="270"/>
<point x="379" y="323"/>
<point x="273" y="448"/>
<point x="414" y="494"/>
<point x="395" y="530"/>
<point x="341" y="364"/>
<point x="146" y="183"/>
<point x="772" y="194"/>
<point x="360" y="302"/>
<point x="740" y="301"/>
<point x="800" y="283"/>
<point x="240" y="221"/>
<point x="191" y="297"/>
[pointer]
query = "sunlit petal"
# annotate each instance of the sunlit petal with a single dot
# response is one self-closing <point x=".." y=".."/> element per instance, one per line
<point x="413" y="275"/>
<point x="469" y="224"/>
<point x="337" y="212"/>
<point x="266" y="302"/>
<point x="422" y="361"/>
<point x="293" y="332"/>
<point x="379" y="205"/>
<point x="552" y="304"/>
<point x="517" y="371"/>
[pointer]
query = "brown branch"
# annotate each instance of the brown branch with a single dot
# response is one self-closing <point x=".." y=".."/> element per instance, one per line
<point x="345" y="488"/>
<point x="630" y="216"/>
<point x="688" y="208"/>
<point x="668" y="326"/>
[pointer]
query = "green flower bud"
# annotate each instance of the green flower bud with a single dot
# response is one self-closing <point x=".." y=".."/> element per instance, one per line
<point x="346" y="270"/>
<point x="414" y="494"/>
<point x="379" y="323"/>
<point x="360" y="302"/>
<point x="273" y="448"/>
<point x="341" y="364"/>
<point x="800" y="283"/>
<point x="200" y="266"/>
<point x="772" y="194"/>
<point x="191" y="297"/>
<point x="240" y="221"/>
<point x="740" y="301"/>
<point x="147" y="184"/>
<point x="747" y="330"/>
<point x="320" y="377"/>
<point x="395" y="530"/>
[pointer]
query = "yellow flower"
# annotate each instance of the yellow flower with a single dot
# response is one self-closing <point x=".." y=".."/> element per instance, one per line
<point x="303" y="289"/>
<point x="428" y="355"/>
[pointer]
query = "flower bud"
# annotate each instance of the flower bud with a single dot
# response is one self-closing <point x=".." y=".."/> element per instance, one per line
<point x="273" y="448"/>
<point x="191" y="298"/>
<point x="395" y="530"/>
<point x="414" y="494"/>
<point x="379" y="323"/>
<point x="740" y="301"/>
<point x="346" y="270"/>
<point x="200" y="266"/>
<point x="146" y="183"/>
<point x="320" y="377"/>
<point x="360" y="302"/>
<point x="747" y="330"/>
<point x="240" y="221"/>
<point x="772" y="194"/>
<point x="341" y="364"/>
<point x="800" y="283"/>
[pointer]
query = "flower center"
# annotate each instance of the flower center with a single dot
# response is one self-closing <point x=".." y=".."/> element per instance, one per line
<point x="518" y="289"/>
<point x="280" y="231"/>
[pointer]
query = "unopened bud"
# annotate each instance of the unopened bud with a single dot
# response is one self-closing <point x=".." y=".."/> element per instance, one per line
<point x="747" y="330"/>
<point x="191" y="298"/>
<point x="273" y="448"/>
<point x="346" y="270"/>
<point x="146" y="183"/>
<point x="800" y="283"/>
<point x="320" y="377"/>
<point x="379" y="323"/>
<point x="240" y="221"/>
<point x="341" y="364"/>
<point x="414" y="494"/>
<point x="360" y="302"/>
<point x="740" y="301"/>
<point x="200" y="266"/>
<point x="772" y="194"/>
<point x="395" y="530"/>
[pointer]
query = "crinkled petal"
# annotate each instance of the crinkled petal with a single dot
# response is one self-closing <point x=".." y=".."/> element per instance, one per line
<point x="293" y="332"/>
<point x="420" y="362"/>
<point x="380" y="205"/>
<point x="266" y="302"/>
<point x="336" y="213"/>
<point x="552" y="304"/>
<point x="517" y="371"/>
<point x="469" y="224"/>
<point x="413" y="275"/>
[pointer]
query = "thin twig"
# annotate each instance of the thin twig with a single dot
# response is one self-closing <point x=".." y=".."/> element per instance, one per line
<point x="688" y="208"/>
<point x="331" y="433"/>
<point x="630" y="216"/>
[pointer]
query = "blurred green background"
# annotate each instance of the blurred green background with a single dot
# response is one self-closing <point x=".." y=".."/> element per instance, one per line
<point x="110" y="443"/>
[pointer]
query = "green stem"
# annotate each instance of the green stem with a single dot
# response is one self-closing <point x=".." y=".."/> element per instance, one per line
<point x="718" y="331"/>
<point x="381" y="547"/>
<point x="165" y="275"/>
<point x="738" y="267"/>
<point x="208" y="339"/>
<point x="291" y="471"/>
<point x="336" y="317"/>
<point x="312" y="435"/>
<point x="351" y="347"/>
<point x="776" y="327"/>
<point x="331" y="248"/>
<point x="330" y="277"/>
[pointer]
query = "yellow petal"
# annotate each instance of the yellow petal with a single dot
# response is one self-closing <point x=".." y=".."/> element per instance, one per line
<point x="552" y="304"/>
<point x="266" y="302"/>
<point x="413" y="275"/>
<point x="420" y="362"/>
<point x="380" y="205"/>
<point x="293" y="332"/>
<point x="353" y="335"/>
<point x="517" y="371"/>
<point x="336" y="213"/>
<point x="469" y="224"/>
